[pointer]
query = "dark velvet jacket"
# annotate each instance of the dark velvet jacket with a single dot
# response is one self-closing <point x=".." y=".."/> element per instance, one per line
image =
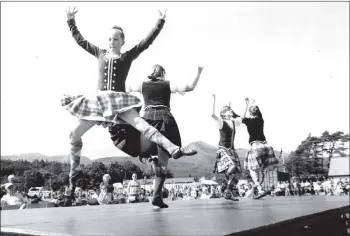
<point x="114" y="71"/>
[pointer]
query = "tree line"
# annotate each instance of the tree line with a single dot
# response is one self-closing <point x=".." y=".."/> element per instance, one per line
<point x="313" y="155"/>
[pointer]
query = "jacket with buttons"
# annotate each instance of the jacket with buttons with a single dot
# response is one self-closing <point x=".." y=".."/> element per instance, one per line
<point x="114" y="71"/>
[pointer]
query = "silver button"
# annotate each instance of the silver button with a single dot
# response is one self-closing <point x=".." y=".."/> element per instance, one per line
<point x="105" y="67"/>
<point x="106" y="60"/>
<point x="105" y="86"/>
<point x="112" y="87"/>
<point x="113" y="67"/>
<point x="113" y="74"/>
<point x="115" y="61"/>
<point x="113" y="81"/>
<point x="105" y="80"/>
<point x="105" y="73"/>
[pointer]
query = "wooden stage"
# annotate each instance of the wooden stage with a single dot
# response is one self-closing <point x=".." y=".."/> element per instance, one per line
<point x="192" y="217"/>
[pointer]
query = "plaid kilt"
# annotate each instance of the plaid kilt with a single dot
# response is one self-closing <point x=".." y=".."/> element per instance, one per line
<point x="225" y="158"/>
<point x="102" y="107"/>
<point x="260" y="155"/>
<point x="162" y="119"/>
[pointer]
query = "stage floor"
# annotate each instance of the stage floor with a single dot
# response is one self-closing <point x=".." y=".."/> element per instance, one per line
<point x="192" y="217"/>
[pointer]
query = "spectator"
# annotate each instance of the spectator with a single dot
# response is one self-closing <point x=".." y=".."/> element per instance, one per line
<point x="188" y="195"/>
<point x="11" y="199"/>
<point x="317" y="187"/>
<point x="104" y="197"/>
<point x="106" y="181"/>
<point x="339" y="189"/>
<point x="133" y="189"/>
<point x="205" y="193"/>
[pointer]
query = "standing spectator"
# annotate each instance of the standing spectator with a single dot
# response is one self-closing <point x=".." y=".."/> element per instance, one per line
<point x="317" y="187"/>
<point x="133" y="189"/>
<point x="295" y="188"/>
<point x="307" y="187"/>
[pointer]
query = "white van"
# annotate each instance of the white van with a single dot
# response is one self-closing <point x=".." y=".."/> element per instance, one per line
<point x="35" y="191"/>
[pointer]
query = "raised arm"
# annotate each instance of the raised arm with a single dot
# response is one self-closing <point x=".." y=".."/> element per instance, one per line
<point x="218" y="120"/>
<point x="145" y="43"/>
<point x="246" y="107"/>
<point x="187" y="87"/>
<point x="89" y="47"/>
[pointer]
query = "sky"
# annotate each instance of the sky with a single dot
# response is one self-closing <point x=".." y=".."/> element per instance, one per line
<point x="291" y="57"/>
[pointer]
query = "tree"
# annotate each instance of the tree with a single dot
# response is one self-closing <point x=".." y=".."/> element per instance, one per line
<point x="33" y="178"/>
<point x="308" y="157"/>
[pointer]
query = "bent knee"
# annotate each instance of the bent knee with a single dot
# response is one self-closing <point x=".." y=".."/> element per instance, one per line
<point x="231" y="170"/>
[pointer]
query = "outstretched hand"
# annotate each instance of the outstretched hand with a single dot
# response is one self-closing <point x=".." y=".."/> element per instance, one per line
<point x="200" y="68"/>
<point x="162" y="14"/>
<point x="71" y="13"/>
<point x="247" y="101"/>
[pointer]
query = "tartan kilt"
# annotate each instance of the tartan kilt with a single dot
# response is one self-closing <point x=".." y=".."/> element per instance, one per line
<point x="162" y="119"/>
<point x="260" y="155"/>
<point x="103" y="107"/>
<point x="225" y="158"/>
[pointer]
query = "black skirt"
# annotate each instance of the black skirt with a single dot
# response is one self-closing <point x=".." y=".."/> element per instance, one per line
<point x="162" y="119"/>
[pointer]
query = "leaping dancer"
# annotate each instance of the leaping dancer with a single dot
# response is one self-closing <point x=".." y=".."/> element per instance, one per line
<point x="111" y="102"/>
<point x="261" y="155"/>
<point x="156" y="91"/>
<point x="227" y="160"/>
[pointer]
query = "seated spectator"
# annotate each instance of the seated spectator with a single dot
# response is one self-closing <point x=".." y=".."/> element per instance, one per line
<point x="188" y="195"/>
<point x="205" y="193"/>
<point x="104" y="197"/>
<point x="278" y="190"/>
<point x="106" y="181"/>
<point x="339" y="189"/>
<point x="65" y="199"/>
<point x="11" y="199"/>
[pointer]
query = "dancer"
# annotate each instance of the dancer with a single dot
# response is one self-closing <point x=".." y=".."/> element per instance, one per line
<point x="156" y="91"/>
<point x="227" y="160"/>
<point x="111" y="101"/>
<point x="261" y="155"/>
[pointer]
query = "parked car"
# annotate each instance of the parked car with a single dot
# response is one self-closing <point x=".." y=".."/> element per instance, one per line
<point x="35" y="191"/>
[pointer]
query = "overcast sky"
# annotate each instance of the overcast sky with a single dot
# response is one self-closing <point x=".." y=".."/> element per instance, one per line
<point x="293" y="58"/>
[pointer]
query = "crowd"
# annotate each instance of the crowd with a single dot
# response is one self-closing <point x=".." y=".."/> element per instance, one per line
<point x="135" y="192"/>
<point x="316" y="187"/>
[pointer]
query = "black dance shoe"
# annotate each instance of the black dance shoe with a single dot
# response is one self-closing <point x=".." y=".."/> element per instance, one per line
<point x="183" y="152"/>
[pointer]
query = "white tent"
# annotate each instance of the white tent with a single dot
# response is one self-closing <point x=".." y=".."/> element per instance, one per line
<point x="117" y="185"/>
<point x="209" y="182"/>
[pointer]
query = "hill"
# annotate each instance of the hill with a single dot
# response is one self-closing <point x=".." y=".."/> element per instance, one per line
<point x="38" y="156"/>
<point x="197" y="165"/>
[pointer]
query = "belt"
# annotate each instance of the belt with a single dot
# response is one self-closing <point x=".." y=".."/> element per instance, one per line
<point x="157" y="106"/>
